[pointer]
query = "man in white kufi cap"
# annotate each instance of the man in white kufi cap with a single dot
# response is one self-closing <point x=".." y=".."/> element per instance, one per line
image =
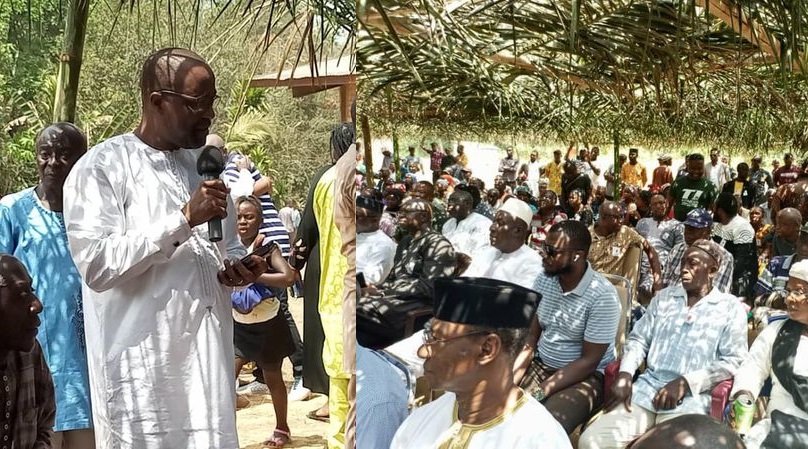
<point x="508" y="258"/>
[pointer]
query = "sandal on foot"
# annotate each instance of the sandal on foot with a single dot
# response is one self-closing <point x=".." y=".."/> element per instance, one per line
<point x="279" y="438"/>
<point x="313" y="415"/>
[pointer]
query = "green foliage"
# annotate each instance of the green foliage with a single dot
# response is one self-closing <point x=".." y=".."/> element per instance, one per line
<point x="286" y="143"/>
<point x="287" y="137"/>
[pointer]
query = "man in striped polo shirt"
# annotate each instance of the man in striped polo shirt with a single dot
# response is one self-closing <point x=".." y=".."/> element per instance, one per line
<point x="273" y="230"/>
<point x="572" y="335"/>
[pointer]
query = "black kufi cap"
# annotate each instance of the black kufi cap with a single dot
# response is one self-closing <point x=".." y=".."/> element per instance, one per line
<point x="484" y="302"/>
<point x="370" y="204"/>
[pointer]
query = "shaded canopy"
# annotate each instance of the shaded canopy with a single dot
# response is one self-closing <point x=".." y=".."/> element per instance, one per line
<point x="678" y="71"/>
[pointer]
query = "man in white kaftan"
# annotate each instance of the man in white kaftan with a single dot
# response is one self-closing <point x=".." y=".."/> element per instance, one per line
<point x="159" y="328"/>
<point x="508" y="258"/>
<point x="466" y="230"/>
<point x="528" y="425"/>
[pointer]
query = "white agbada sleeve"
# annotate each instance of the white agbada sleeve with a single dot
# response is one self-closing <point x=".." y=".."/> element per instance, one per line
<point x="105" y="252"/>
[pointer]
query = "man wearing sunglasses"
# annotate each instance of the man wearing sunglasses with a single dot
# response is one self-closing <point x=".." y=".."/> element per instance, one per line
<point x="572" y="335"/>
<point x="469" y="350"/>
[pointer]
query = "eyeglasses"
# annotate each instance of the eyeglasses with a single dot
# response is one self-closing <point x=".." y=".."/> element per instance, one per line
<point x="429" y="337"/>
<point x="551" y="251"/>
<point x="615" y="216"/>
<point x="797" y="295"/>
<point x="195" y="104"/>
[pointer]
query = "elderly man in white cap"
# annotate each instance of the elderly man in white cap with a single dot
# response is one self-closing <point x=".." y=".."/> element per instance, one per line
<point x="508" y="258"/>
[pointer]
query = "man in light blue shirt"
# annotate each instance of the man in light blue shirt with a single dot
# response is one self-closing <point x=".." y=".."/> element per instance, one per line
<point x="573" y="331"/>
<point x="382" y="399"/>
<point x="692" y="338"/>
<point x="32" y="228"/>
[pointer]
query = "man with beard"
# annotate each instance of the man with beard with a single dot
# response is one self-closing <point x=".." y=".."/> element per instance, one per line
<point x="423" y="255"/>
<point x="467" y="230"/>
<point x="508" y="258"/>
<point x="571" y="338"/>
<point x="634" y="173"/>
<point x="692" y="337"/>
<point x="156" y="291"/>
<point x="469" y="350"/>
<point x="698" y="225"/>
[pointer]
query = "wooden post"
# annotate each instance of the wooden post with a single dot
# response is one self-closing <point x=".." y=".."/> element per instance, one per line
<point x="347" y="92"/>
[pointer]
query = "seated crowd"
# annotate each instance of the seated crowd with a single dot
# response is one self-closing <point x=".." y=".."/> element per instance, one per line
<point x="602" y="312"/>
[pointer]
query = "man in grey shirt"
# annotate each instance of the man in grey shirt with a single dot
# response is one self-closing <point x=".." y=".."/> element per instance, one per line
<point x="572" y="336"/>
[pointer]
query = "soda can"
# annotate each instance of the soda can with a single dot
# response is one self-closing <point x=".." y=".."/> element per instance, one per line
<point x="744" y="407"/>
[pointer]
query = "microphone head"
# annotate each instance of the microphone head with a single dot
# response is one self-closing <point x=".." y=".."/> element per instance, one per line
<point x="210" y="162"/>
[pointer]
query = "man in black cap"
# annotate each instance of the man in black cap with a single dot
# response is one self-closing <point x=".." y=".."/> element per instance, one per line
<point x="469" y="350"/>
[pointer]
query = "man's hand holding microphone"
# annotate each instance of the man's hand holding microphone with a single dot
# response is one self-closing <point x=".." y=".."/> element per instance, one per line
<point x="208" y="203"/>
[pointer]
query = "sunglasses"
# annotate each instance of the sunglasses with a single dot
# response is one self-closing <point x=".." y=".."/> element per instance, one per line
<point x="552" y="251"/>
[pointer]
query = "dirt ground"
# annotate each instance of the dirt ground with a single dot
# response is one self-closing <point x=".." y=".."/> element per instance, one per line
<point x="256" y="422"/>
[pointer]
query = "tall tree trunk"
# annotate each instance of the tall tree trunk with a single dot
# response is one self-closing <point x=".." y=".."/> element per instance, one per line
<point x="67" y="81"/>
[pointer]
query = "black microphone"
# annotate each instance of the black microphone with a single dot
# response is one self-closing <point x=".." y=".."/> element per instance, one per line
<point x="210" y="165"/>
